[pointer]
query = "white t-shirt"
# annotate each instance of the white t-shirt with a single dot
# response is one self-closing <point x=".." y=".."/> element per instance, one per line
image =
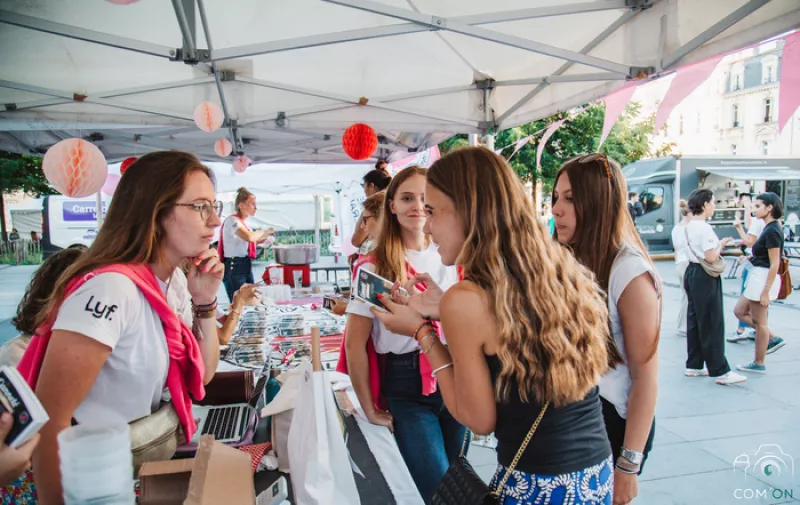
<point x="233" y="245"/>
<point x="701" y="239"/>
<point x="615" y="385"/>
<point x="679" y="243"/>
<point x="427" y="261"/>
<point x="110" y="309"/>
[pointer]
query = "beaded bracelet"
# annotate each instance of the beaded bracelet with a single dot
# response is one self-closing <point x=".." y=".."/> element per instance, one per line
<point x="423" y="325"/>
<point x="430" y="334"/>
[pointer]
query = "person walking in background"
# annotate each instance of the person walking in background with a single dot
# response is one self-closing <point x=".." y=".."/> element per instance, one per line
<point x="763" y="283"/>
<point x="375" y="181"/>
<point x="592" y="222"/>
<point x="681" y="262"/>
<point x="705" y="330"/>
<point x="237" y="243"/>
<point x="754" y="228"/>
<point x="635" y="207"/>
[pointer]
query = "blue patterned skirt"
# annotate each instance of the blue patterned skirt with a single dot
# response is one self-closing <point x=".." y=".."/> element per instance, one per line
<point x="591" y="486"/>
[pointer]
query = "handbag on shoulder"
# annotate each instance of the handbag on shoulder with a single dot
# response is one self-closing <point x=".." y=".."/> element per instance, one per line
<point x="462" y="486"/>
<point x="786" y="279"/>
<point x="712" y="269"/>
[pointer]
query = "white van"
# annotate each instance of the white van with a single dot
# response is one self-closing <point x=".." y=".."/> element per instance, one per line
<point x="69" y="221"/>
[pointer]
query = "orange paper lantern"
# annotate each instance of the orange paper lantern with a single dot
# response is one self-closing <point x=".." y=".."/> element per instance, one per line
<point x="208" y="117"/>
<point x="240" y="163"/>
<point x="223" y="147"/>
<point x="75" y="167"/>
<point x="127" y="162"/>
<point x="360" y="141"/>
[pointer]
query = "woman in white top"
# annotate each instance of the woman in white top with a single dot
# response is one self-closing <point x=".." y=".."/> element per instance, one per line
<point x="592" y="219"/>
<point x="428" y="436"/>
<point x="681" y="261"/>
<point x="705" y="330"/>
<point x="237" y="243"/>
<point x="108" y="356"/>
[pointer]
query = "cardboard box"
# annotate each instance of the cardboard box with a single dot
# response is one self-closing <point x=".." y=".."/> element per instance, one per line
<point x="217" y="474"/>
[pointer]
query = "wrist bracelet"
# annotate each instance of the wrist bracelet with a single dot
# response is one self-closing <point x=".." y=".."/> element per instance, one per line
<point x="205" y="314"/>
<point x="423" y="325"/>
<point x="430" y="334"/>
<point x="201" y="308"/>
<point x="626" y="470"/>
<point x="433" y="374"/>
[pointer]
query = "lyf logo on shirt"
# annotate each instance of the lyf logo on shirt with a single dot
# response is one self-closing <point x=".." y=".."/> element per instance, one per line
<point x="99" y="312"/>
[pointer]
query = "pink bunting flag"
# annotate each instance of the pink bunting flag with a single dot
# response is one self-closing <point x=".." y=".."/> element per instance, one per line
<point x="615" y="104"/>
<point x="686" y="80"/>
<point x="547" y="134"/>
<point x="519" y="144"/>
<point x="789" y="92"/>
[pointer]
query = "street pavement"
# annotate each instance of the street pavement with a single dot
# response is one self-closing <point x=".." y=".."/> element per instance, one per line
<point x="707" y="436"/>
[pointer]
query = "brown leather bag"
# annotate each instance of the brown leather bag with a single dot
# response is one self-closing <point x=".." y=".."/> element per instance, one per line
<point x="786" y="279"/>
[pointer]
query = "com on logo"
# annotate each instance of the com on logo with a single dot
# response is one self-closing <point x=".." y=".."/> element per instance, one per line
<point x="769" y="460"/>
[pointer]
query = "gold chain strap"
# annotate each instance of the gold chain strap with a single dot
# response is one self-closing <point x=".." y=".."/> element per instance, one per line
<point x="521" y="450"/>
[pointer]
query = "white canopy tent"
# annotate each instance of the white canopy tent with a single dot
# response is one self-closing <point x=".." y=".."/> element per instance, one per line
<point x="291" y="76"/>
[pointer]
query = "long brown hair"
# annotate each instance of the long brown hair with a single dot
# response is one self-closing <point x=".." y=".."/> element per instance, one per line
<point x="390" y="252"/>
<point x="38" y="291"/>
<point x="133" y="230"/>
<point x="551" y="315"/>
<point x="603" y="224"/>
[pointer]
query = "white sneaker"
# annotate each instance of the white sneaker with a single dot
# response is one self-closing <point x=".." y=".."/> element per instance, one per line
<point x="693" y="372"/>
<point x="737" y="337"/>
<point x="730" y="378"/>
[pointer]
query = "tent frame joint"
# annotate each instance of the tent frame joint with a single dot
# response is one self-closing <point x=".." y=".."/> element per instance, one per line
<point x="641" y="72"/>
<point x="282" y="121"/>
<point x="639" y="5"/>
<point x="485" y="84"/>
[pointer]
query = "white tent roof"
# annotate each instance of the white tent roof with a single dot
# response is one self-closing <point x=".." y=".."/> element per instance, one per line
<point x="292" y="73"/>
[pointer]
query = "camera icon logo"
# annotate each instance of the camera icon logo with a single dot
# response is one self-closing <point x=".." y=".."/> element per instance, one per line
<point x="769" y="460"/>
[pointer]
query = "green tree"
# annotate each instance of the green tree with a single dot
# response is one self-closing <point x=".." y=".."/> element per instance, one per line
<point x="20" y="172"/>
<point x="629" y="140"/>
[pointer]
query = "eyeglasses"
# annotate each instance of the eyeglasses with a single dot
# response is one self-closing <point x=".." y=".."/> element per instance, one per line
<point x="597" y="157"/>
<point x="204" y="207"/>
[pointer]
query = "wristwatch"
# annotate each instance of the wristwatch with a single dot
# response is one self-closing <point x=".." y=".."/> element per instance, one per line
<point x="634" y="457"/>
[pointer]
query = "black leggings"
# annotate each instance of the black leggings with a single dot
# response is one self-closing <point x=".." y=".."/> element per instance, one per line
<point x="705" y="323"/>
<point x="615" y="427"/>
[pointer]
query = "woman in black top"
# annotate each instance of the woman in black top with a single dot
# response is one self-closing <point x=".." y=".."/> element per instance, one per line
<point x="525" y="329"/>
<point x="763" y="282"/>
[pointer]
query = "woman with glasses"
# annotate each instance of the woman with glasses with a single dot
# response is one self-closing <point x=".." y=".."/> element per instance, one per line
<point x="237" y="243"/>
<point x="108" y="343"/>
<point x="592" y="220"/>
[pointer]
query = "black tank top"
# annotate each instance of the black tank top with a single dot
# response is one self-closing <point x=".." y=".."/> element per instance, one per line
<point x="569" y="438"/>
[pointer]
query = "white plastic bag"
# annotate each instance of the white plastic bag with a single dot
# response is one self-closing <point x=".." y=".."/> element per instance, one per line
<point x="320" y="466"/>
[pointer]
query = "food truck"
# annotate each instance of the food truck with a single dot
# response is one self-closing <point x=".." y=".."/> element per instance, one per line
<point x="662" y="182"/>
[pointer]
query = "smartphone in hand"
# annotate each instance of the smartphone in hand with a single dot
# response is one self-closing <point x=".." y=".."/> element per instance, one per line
<point x="369" y="285"/>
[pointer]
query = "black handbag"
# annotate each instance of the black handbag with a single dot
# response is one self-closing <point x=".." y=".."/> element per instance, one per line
<point x="462" y="486"/>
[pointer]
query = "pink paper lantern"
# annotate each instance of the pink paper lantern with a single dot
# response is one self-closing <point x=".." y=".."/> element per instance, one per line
<point x="111" y="184"/>
<point x="75" y="167"/>
<point x="208" y="117"/>
<point x="223" y="147"/>
<point x="240" y="163"/>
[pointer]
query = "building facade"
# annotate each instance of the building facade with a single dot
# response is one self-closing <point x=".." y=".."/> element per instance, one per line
<point x="735" y="112"/>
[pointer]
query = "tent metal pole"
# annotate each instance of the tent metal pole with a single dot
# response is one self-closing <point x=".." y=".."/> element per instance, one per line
<point x="406" y="28"/>
<point x="439" y="23"/>
<point x="488" y="117"/>
<point x="719" y="27"/>
<point x="599" y="76"/>
<point x="74" y="32"/>
<point x="474" y="139"/>
<point x="232" y="130"/>
<point x="99" y="101"/>
<point x="116" y="93"/>
<point x="613" y="27"/>
<point x="187" y="30"/>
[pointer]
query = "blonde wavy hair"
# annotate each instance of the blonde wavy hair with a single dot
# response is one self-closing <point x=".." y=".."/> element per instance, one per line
<point x="552" y="317"/>
<point x="390" y="252"/>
